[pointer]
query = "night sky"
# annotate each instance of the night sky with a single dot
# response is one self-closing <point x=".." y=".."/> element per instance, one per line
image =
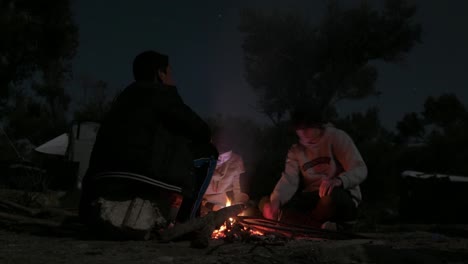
<point x="204" y="45"/>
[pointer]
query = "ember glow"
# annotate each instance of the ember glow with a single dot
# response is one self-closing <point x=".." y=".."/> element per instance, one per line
<point x="228" y="225"/>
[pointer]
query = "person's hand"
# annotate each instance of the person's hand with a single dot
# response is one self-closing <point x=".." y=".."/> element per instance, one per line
<point x="241" y="198"/>
<point x="270" y="212"/>
<point x="327" y="186"/>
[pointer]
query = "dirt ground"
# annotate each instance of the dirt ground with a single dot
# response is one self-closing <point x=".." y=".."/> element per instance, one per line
<point x="389" y="247"/>
<point x="20" y="243"/>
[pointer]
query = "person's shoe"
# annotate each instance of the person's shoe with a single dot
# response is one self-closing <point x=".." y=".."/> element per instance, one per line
<point x="341" y="226"/>
<point x="347" y="226"/>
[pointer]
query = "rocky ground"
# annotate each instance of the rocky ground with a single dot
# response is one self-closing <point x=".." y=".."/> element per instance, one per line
<point x="21" y="242"/>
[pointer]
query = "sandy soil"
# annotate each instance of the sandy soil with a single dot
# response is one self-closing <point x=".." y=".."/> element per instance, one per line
<point x="393" y="247"/>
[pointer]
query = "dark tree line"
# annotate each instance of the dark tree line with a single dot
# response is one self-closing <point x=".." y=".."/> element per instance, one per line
<point x="289" y="61"/>
<point x="39" y="40"/>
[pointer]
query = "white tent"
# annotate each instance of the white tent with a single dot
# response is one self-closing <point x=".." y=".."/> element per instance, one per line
<point x="76" y="145"/>
<point x="56" y="146"/>
<point x="83" y="136"/>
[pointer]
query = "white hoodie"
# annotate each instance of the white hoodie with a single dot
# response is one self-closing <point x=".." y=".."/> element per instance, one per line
<point x="334" y="155"/>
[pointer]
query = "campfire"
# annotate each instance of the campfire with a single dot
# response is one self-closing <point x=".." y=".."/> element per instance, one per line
<point x="229" y="224"/>
<point x="233" y="228"/>
<point x="247" y="228"/>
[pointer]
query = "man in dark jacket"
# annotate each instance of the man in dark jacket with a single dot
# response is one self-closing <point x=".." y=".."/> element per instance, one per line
<point x="150" y="147"/>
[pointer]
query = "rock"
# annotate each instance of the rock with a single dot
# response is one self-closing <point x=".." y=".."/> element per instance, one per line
<point x="135" y="219"/>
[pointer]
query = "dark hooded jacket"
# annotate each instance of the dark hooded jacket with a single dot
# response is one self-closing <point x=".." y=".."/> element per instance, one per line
<point x="150" y="133"/>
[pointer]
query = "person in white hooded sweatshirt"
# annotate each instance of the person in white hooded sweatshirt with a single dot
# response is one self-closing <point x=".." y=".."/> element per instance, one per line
<point x="321" y="178"/>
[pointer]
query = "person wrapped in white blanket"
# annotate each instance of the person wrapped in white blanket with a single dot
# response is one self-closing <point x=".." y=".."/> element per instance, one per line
<point x="225" y="185"/>
<point x="320" y="183"/>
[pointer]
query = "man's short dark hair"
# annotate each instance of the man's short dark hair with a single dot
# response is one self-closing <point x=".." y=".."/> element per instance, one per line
<point x="147" y="64"/>
<point x="307" y="116"/>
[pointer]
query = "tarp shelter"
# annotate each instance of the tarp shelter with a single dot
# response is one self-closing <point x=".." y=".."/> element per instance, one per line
<point x="424" y="175"/>
<point x="76" y="146"/>
<point x="56" y="146"/>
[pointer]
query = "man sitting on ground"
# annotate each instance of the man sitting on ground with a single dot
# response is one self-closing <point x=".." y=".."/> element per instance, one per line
<point x="150" y="148"/>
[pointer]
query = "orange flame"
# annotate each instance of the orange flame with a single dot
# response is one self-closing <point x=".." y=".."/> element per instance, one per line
<point x="221" y="232"/>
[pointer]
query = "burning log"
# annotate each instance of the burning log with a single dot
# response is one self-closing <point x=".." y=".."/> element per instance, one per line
<point x="233" y="229"/>
<point x="293" y="231"/>
<point x="204" y="226"/>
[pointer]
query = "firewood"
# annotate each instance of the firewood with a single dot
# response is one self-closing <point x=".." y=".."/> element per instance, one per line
<point x="36" y="211"/>
<point x="22" y="208"/>
<point x="28" y="220"/>
<point x="208" y="223"/>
